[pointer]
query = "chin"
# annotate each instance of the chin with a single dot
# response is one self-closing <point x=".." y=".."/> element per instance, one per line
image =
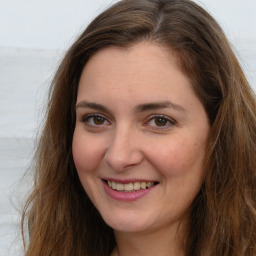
<point x="128" y="222"/>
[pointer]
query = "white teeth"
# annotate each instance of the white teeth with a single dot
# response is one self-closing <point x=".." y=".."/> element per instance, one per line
<point x="113" y="185"/>
<point x="130" y="187"/>
<point x="143" y="185"/>
<point x="149" y="184"/>
<point x="119" y="186"/>
<point x="136" y="185"/>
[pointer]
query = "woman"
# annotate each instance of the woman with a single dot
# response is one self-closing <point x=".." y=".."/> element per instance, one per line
<point x="149" y="142"/>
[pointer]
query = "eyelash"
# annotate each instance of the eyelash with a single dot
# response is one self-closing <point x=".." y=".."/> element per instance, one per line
<point x="86" y="119"/>
<point x="168" y="122"/>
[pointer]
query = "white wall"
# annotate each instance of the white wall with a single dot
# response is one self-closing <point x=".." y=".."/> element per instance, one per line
<point x="54" y="23"/>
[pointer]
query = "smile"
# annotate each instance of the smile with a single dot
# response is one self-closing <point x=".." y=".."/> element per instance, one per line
<point x="130" y="187"/>
<point x="128" y="190"/>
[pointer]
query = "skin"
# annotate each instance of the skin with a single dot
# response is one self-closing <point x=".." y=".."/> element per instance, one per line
<point x="164" y="143"/>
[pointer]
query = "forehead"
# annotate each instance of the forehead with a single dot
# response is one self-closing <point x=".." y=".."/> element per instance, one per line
<point x="139" y="50"/>
<point x="142" y="65"/>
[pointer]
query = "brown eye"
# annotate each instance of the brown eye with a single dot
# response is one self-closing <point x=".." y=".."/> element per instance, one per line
<point x="95" y="120"/>
<point x="161" y="121"/>
<point x="98" y="120"/>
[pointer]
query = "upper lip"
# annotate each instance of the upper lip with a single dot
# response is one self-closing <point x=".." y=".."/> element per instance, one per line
<point x="125" y="181"/>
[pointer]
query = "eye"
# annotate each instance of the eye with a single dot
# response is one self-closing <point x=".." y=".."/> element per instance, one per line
<point x="95" y="120"/>
<point x="160" y="121"/>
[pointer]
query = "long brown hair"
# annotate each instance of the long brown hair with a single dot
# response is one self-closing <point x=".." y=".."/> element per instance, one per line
<point x="62" y="220"/>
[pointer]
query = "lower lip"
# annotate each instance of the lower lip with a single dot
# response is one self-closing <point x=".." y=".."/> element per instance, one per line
<point x="126" y="196"/>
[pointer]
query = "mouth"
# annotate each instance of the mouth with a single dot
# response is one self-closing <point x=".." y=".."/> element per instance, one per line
<point x="130" y="187"/>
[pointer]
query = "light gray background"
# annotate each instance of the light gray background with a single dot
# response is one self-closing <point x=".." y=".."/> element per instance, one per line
<point x="33" y="37"/>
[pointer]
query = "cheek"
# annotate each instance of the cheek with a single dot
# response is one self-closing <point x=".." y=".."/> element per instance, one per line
<point x="87" y="152"/>
<point x="179" y="157"/>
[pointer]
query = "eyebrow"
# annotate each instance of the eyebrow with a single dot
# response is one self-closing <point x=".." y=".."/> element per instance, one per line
<point x="86" y="104"/>
<point x="138" y="109"/>
<point x="158" y="105"/>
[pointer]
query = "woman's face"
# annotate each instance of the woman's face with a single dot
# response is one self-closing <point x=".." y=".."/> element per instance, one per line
<point x="139" y="139"/>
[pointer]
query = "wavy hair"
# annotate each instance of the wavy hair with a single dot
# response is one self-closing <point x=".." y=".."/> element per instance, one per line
<point x="61" y="219"/>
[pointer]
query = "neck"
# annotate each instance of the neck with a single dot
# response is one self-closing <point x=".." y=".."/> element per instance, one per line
<point x="164" y="242"/>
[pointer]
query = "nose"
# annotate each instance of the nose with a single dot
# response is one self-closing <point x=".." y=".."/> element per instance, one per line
<point x="124" y="150"/>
